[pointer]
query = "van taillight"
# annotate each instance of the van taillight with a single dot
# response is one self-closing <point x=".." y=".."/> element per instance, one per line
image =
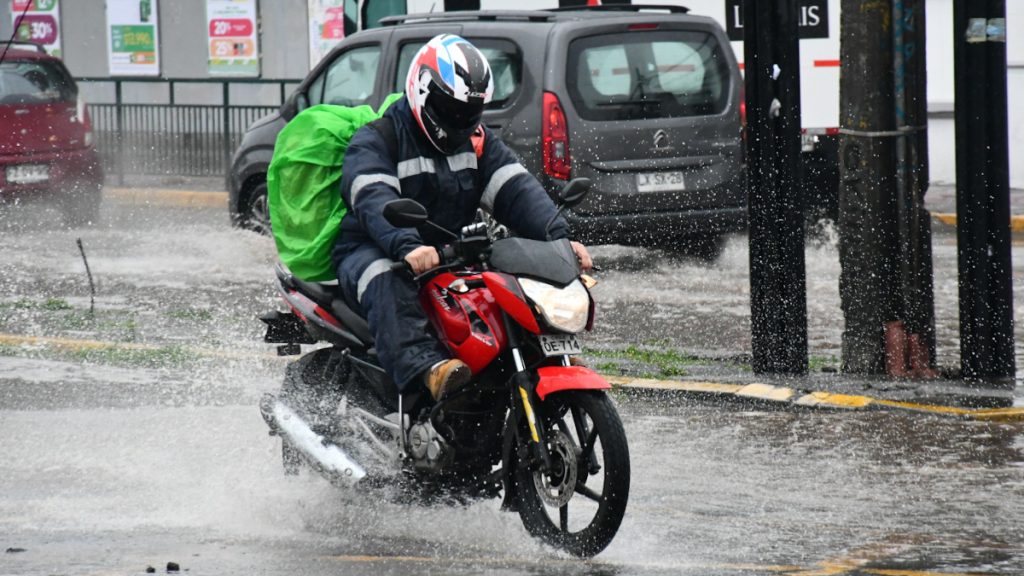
<point x="743" y="123"/>
<point x="557" y="162"/>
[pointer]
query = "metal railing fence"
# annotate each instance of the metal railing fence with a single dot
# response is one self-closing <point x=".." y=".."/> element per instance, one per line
<point x="154" y="133"/>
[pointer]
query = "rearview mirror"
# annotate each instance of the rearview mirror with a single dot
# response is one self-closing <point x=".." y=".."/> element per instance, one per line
<point x="574" y="192"/>
<point x="405" y="213"/>
<point x="296" y="102"/>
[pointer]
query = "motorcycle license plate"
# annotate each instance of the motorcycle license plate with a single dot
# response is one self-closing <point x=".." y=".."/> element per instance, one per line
<point x="28" y="173"/>
<point x="560" y="344"/>
<point x="659" y="181"/>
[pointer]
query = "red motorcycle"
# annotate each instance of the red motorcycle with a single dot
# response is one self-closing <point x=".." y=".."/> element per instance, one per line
<point x="532" y="427"/>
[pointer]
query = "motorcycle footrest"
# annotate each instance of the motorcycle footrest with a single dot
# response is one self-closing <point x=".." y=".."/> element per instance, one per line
<point x="289" y="350"/>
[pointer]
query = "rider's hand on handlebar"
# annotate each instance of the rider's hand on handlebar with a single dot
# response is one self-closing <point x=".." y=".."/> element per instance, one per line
<point x="422" y="259"/>
<point x="586" y="263"/>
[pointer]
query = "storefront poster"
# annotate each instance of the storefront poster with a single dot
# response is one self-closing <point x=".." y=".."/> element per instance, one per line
<point x="233" y="41"/>
<point x="133" y="37"/>
<point x="39" y="25"/>
<point x="326" y="27"/>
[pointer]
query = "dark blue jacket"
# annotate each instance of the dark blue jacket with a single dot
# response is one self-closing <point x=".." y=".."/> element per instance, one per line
<point x="450" y="187"/>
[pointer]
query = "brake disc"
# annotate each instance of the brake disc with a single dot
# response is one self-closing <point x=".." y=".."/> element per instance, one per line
<point x="557" y="486"/>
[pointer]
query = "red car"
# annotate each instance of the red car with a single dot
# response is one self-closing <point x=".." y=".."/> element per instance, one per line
<point x="46" y="138"/>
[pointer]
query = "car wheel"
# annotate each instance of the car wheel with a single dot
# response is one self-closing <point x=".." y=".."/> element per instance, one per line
<point x="256" y="210"/>
<point x="81" y="205"/>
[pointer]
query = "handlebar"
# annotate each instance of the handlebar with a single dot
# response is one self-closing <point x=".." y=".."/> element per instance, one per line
<point x="446" y="254"/>
<point x="449" y="257"/>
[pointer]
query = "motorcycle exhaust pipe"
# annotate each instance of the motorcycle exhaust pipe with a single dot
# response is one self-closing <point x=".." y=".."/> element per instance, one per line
<point x="320" y="452"/>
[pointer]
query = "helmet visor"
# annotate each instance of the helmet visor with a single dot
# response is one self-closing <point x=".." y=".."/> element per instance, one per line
<point x="454" y="116"/>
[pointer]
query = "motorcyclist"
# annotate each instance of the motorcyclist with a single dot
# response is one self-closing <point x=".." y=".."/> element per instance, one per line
<point x="441" y="156"/>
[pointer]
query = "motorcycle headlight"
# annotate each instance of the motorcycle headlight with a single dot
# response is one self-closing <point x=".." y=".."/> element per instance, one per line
<point x="565" y="309"/>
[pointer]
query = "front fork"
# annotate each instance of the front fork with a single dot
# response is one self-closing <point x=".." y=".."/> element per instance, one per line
<point x="525" y="391"/>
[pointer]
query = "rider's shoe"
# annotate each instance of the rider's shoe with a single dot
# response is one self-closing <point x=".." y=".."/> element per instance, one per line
<point x="447" y="377"/>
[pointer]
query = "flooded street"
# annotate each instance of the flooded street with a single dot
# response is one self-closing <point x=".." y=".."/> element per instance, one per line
<point x="119" y="458"/>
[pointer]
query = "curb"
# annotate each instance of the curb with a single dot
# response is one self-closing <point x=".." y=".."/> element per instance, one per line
<point x="782" y="397"/>
<point x="777" y="396"/>
<point x="949" y="219"/>
<point x="166" y="197"/>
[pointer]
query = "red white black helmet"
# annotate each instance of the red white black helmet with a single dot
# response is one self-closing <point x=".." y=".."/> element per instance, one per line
<point x="449" y="84"/>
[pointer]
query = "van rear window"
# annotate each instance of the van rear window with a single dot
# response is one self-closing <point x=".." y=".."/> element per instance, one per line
<point x="665" y="74"/>
<point x="34" y="82"/>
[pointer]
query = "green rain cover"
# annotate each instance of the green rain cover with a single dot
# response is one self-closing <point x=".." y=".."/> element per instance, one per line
<point x="303" y="181"/>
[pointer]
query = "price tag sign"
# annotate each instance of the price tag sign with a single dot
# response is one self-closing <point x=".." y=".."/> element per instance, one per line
<point x="133" y="37"/>
<point x="233" y="42"/>
<point x="38" y="22"/>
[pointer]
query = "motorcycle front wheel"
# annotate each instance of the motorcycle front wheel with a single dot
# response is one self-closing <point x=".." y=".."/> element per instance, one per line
<point x="578" y="504"/>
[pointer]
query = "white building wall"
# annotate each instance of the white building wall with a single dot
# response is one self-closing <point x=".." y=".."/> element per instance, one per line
<point x="941" y="134"/>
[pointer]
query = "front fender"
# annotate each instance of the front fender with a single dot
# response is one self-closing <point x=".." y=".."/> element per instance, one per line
<point x="559" y="378"/>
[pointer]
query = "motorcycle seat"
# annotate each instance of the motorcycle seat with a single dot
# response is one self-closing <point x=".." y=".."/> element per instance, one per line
<point x="329" y="297"/>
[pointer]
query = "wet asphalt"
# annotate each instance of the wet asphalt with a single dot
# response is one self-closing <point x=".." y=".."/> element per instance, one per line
<point x="152" y="451"/>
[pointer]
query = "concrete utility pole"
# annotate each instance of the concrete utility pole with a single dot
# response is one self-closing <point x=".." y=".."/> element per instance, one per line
<point x="983" y="190"/>
<point x="778" y="293"/>
<point x="910" y="88"/>
<point x="884" y="230"/>
<point x="869" y="285"/>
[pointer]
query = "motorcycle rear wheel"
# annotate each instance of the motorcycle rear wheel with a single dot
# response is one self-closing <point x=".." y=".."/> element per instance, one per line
<point x="579" y="504"/>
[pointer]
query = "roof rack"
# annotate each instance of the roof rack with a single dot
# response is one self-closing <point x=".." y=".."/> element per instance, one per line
<point x="24" y="45"/>
<point x="622" y="8"/>
<point x="485" y="15"/>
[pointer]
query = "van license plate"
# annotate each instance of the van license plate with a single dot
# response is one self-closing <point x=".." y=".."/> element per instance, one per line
<point x="559" y="344"/>
<point x="28" y="173"/>
<point x="659" y="181"/>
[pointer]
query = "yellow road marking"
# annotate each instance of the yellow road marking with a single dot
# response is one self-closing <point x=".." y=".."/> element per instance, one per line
<point x="830" y="400"/>
<point x="766" y="392"/>
<point x="69" y="344"/>
<point x="166" y="197"/>
<point x="993" y="414"/>
<point x="854" y="561"/>
<point x="880" y="572"/>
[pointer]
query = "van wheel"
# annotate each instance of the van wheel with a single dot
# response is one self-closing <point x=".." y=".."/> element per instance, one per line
<point x="80" y="205"/>
<point x="703" y="248"/>
<point x="256" y="210"/>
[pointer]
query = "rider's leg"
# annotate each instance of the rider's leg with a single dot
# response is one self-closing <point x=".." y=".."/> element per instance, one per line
<point x="389" y="301"/>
